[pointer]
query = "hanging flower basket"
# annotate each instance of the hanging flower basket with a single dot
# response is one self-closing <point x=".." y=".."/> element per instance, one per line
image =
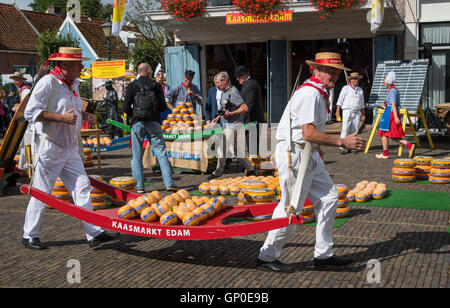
<point x="258" y="7"/>
<point x="184" y="9"/>
<point x="326" y="8"/>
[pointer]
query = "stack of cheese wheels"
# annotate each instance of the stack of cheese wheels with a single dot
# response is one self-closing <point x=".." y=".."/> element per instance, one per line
<point x="176" y="208"/>
<point x="404" y="170"/>
<point x="342" y="210"/>
<point x="308" y="214"/>
<point x="262" y="165"/>
<point x="60" y="191"/>
<point x="440" y="171"/>
<point x="182" y="120"/>
<point x="366" y="190"/>
<point x="257" y="196"/>
<point x="98" y="197"/>
<point x="122" y="182"/>
<point x="423" y="166"/>
<point x="88" y="157"/>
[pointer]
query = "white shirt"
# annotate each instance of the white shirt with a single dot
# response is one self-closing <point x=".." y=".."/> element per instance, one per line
<point x="307" y="106"/>
<point x="351" y="98"/>
<point x="218" y="97"/>
<point x="65" y="135"/>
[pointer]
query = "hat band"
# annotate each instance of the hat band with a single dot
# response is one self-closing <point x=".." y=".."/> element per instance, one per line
<point x="329" y="61"/>
<point x="66" y="55"/>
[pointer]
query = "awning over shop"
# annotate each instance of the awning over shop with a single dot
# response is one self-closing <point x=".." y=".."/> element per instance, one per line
<point x="211" y="28"/>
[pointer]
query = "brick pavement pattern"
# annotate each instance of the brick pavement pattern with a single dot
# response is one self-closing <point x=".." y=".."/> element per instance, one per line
<point x="411" y="245"/>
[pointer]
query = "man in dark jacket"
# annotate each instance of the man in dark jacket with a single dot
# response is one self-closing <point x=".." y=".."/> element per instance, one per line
<point x="211" y="106"/>
<point x="147" y="126"/>
<point x="251" y="93"/>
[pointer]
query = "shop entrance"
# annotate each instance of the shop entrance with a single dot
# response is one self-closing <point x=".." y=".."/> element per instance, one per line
<point x="227" y="57"/>
<point x="357" y="54"/>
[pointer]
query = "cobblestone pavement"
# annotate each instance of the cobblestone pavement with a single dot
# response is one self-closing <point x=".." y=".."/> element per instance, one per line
<point x="411" y="245"/>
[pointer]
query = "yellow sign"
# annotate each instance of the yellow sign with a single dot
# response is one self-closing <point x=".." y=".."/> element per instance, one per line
<point x="273" y="17"/>
<point x="108" y="69"/>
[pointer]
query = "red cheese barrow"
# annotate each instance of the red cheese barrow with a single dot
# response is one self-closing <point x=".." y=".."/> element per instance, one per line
<point x="210" y="229"/>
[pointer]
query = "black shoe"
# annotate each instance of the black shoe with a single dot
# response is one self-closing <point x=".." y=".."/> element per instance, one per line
<point x="173" y="188"/>
<point x="102" y="238"/>
<point x="213" y="176"/>
<point x="274" y="266"/>
<point x="33" y="243"/>
<point x="250" y="173"/>
<point x="334" y="261"/>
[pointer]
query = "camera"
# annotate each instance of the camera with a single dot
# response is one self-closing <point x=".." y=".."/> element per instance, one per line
<point x="221" y="112"/>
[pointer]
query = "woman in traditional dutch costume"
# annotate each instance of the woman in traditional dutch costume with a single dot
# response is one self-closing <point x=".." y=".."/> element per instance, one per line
<point x="390" y="124"/>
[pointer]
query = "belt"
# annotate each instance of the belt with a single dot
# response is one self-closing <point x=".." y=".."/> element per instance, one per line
<point x="301" y="145"/>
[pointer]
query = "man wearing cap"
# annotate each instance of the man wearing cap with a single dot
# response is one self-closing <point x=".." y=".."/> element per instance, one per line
<point x="186" y="91"/>
<point x="304" y="120"/>
<point x="22" y="86"/>
<point x="55" y="111"/>
<point x="351" y="101"/>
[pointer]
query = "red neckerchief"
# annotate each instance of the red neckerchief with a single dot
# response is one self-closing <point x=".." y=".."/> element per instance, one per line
<point x="351" y="86"/>
<point x="24" y="87"/>
<point x="389" y="90"/>
<point x="185" y="85"/>
<point x="316" y="84"/>
<point x="59" y="75"/>
<point x="163" y="87"/>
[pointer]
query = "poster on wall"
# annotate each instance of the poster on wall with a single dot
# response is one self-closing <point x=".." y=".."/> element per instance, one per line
<point x="108" y="70"/>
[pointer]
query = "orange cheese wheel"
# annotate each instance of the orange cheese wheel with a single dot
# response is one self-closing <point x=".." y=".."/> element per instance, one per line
<point x="441" y="173"/>
<point x="343" y="202"/>
<point x="403" y="171"/>
<point x="169" y="218"/>
<point x="423" y="160"/>
<point x="342" y="190"/>
<point x="308" y="209"/>
<point x="405" y="163"/>
<point x="209" y="209"/>
<point x="184" y="194"/>
<point x="438" y="180"/>
<point x="99" y="205"/>
<point x="361" y="197"/>
<point x="149" y="214"/>
<point x="440" y="163"/>
<point x="308" y="218"/>
<point x="126" y="212"/>
<point x="139" y="205"/>
<point x="123" y="181"/>
<point x="217" y="204"/>
<point x="246" y="185"/>
<point x="190" y="204"/>
<point x="191" y="219"/>
<point x="424" y="169"/>
<point x="342" y="212"/>
<point x="158" y="195"/>
<point x="403" y="178"/>
<point x="162" y="207"/>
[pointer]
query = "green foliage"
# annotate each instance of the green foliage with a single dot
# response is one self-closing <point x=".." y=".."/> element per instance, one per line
<point x="49" y="42"/>
<point x="90" y="8"/>
<point x="148" y="51"/>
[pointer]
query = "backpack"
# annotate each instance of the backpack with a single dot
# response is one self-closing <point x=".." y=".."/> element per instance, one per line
<point x="145" y="103"/>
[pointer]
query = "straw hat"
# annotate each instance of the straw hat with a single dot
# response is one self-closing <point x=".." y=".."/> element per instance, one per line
<point x="68" y="54"/>
<point x="17" y="75"/>
<point x="355" y="75"/>
<point x="331" y="59"/>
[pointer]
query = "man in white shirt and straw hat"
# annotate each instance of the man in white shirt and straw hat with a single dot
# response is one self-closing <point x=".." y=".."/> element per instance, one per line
<point x="304" y="120"/>
<point x="55" y="109"/>
<point x="351" y="101"/>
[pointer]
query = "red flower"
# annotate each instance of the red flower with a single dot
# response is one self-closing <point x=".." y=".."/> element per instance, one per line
<point x="183" y="9"/>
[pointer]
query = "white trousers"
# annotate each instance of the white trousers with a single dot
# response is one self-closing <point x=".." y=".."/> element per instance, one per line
<point x="66" y="163"/>
<point x="319" y="188"/>
<point x="350" y="122"/>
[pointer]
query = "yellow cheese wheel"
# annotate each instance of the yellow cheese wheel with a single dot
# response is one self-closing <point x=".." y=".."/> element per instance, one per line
<point x="139" y="204"/>
<point x="191" y="219"/>
<point x="379" y="193"/>
<point x="438" y="180"/>
<point x="343" y="202"/>
<point x="424" y="169"/>
<point x="190" y="204"/>
<point x="234" y="190"/>
<point x="217" y="204"/>
<point x="342" y="212"/>
<point x="209" y="209"/>
<point x="59" y="183"/>
<point x="441" y="163"/>
<point x="405" y="163"/>
<point x="259" y="195"/>
<point x="123" y="181"/>
<point x="158" y="195"/>
<point x="60" y="194"/>
<point x="403" y="178"/>
<point x="251" y="184"/>
<point x="308" y="218"/>
<point x="184" y="194"/>
<point x="99" y="205"/>
<point x="214" y="190"/>
<point x="441" y="173"/>
<point x="361" y="197"/>
<point x="169" y="218"/>
<point x="351" y="195"/>
<point x="150" y="198"/>
<point x="126" y="212"/>
<point x="162" y="207"/>
<point x="97" y="197"/>
<point x="308" y="209"/>
<point x="403" y="171"/>
<point x="224" y="190"/>
<point x="149" y="214"/>
<point x="423" y="160"/>
<point x="342" y="190"/>
<point x="259" y="218"/>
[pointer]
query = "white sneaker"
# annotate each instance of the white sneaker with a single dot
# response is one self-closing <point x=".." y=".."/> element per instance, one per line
<point x="381" y="156"/>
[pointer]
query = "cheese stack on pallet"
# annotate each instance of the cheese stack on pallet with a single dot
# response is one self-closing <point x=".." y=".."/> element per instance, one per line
<point x="182" y="120"/>
<point x="440" y="171"/>
<point x="60" y="191"/>
<point x="230" y="186"/>
<point x="98" y="197"/>
<point x="423" y="166"/>
<point x="262" y="165"/>
<point x="122" y="182"/>
<point x="308" y="214"/>
<point x="342" y="210"/>
<point x="88" y="157"/>
<point x="404" y="170"/>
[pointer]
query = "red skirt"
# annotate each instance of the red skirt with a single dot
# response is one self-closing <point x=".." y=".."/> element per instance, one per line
<point x="395" y="130"/>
